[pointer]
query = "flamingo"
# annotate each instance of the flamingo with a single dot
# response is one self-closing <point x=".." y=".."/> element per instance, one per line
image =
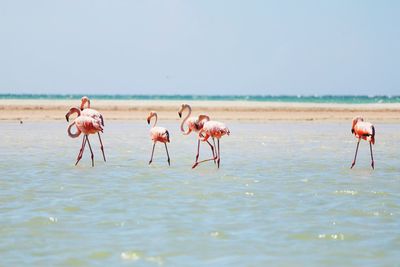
<point x="194" y="124"/>
<point x="213" y="129"/>
<point x="363" y="130"/>
<point x="89" y="112"/>
<point x="85" y="125"/>
<point x="158" y="134"/>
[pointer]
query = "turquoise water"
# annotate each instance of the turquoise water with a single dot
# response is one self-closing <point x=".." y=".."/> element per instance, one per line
<point x="362" y="99"/>
<point x="284" y="196"/>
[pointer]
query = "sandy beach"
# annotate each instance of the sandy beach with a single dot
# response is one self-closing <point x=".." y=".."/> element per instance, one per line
<point x="31" y="110"/>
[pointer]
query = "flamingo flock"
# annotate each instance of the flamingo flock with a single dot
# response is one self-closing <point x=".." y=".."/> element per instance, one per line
<point x="89" y="121"/>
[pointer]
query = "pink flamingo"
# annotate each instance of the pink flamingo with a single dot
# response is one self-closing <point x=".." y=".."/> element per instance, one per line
<point x="158" y="134"/>
<point x="194" y="124"/>
<point x="363" y="130"/>
<point x="85" y="125"/>
<point x="213" y="129"/>
<point x="89" y="112"/>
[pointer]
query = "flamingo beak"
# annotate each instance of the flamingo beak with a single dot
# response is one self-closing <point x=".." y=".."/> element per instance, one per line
<point x="180" y="114"/>
<point x="352" y="131"/>
<point x="148" y="121"/>
<point x="67" y="117"/>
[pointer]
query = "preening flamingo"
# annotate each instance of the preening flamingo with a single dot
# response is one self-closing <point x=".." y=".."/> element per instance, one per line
<point x="194" y="124"/>
<point x="89" y="112"/>
<point x="158" y="134"/>
<point x="85" y="125"/>
<point x="213" y="129"/>
<point x="363" y="130"/>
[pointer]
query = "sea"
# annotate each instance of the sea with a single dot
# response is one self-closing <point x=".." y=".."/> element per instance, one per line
<point x="284" y="195"/>
<point x="339" y="99"/>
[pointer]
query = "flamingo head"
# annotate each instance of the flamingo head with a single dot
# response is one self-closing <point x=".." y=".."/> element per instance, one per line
<point x="85" y="100"/>
<point x="72" y="111"/>
<point x="151" y="115"/>
<point x="355" y="121"/>
<point x="204" y="118"/>
<point x="183" y="107"/>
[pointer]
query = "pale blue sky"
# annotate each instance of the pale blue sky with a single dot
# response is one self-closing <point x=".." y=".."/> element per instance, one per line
<point x="200" y="47"/>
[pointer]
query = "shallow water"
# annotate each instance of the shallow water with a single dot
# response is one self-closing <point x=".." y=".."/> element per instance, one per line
<point x="284" y="196"/>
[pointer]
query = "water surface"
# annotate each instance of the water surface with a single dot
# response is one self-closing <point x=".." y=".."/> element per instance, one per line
<point x="337" y="99"/>
<point x="284" y="196"/>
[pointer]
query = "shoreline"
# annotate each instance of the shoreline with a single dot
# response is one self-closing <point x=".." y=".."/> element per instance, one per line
<point x="34" y="110"/>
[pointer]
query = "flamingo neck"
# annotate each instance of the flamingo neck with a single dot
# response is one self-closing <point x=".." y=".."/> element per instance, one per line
<point x="73" y="135"/>
<point x="155" y="122"/>
<point x="185" y="119"/>
<point x="72" y="111"/>
<point x="83" y="104"/>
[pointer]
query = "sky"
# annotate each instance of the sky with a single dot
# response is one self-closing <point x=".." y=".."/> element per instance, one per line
<point x="211" y="47"/>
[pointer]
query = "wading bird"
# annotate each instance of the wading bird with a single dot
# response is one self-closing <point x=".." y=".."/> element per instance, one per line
<point x="363" y="130"/>
<point x="213" y="129"/>
<point x="158" y="134"/>
<point x="194" y="124"/>
<point x="85" y="125"/>
<point x="89" y="112"/>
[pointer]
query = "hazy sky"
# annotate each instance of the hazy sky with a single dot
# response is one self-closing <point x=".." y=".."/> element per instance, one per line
<point x="200" y="46"/>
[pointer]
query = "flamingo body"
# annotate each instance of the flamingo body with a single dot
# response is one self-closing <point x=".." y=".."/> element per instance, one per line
<point x="194" y="124"/>
<point x="88" y="125"/>
<point x="89" y="112"/>
<point x="365" y="130"/>
<point x="159" y="134"/>
<point x="214" y="129"/>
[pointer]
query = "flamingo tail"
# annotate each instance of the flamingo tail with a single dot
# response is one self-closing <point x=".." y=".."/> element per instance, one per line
<point x="373" y="135"/>
<point x="102" y="120"/>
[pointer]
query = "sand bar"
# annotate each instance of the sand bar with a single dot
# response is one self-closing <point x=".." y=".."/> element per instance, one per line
<point x="34" y="110"/>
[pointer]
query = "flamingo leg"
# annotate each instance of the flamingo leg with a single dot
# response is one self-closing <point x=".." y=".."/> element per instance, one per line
<point x="372" y="157"/>
<point x="215" y="156"/>
<point x="212" y="148"/>
<point x="102" y="148"/>
<point x="219" y="154"/>
<point x="198" y="162"/>
<point x="166" y="149"/>
<point x="152" y="153"/>
<point x="205" y="160"/>
<point x="91" y="151"/>
<point x="198" y="150"/>
<point x="81" y="151"/>
<point x="355" y="155"/>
